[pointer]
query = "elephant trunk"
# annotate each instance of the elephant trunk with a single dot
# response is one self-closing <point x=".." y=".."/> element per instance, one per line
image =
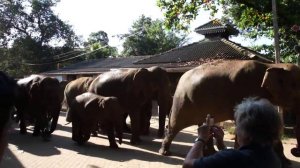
<point x="55" y="117"/>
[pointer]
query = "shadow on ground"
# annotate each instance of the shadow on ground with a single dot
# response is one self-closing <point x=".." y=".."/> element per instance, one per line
<point x="145" y="151"/>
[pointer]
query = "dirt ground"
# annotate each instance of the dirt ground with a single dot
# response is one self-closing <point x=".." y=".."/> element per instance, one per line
<point x="61" y="151"/>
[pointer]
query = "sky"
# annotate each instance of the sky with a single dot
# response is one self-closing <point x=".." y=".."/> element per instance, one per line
<point x="117" y="16"/>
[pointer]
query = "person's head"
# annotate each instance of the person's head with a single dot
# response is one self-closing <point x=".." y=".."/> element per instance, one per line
<point x="257" y="121"/>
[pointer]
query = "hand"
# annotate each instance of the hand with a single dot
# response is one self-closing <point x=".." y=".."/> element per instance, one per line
<point x="218" y="133"/>
<point x="204" y="132"/>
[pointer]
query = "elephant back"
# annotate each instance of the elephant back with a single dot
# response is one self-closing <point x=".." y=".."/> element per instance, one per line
<point x="131" y="87"/>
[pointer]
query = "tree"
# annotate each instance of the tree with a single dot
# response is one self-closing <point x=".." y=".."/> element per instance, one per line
<point x="98" y="44"/>
<point x="253" y="18"/>
<point x="98" y="37"/>
<point x="148" y="37"/>
<point x="27" y="30"/>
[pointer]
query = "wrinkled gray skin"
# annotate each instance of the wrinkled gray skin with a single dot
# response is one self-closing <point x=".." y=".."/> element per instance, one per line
<point x="161" y="92"/>
<point x="39" y="102"/>
<point x="215" y="88"/>
<point x="131" y="87"/>
<point x="73" y="89"/>
<point x="88" y="110"/>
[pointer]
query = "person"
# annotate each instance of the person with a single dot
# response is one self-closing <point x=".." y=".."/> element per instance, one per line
<point x="7" y="97"/>
<point x="258" y="127"/>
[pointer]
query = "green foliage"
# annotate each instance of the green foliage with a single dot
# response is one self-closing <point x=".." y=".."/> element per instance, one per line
<point x="98" y="44"/>
<point x="98" y="37"/>
<point x="101" y="51"/>
<point x="253" y="18"/>
<point x="27" y="29"/>
<point x="148" y="37"/>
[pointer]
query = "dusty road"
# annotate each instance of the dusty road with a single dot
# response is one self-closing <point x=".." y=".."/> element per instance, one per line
<point x="61" y="151"/>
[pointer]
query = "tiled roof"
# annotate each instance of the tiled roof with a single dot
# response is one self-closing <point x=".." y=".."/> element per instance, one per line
<point x="206" y="49"/>
<point x="99" y="65"/>
<point x="215" y="26"/>
<point x="176" y="60"/>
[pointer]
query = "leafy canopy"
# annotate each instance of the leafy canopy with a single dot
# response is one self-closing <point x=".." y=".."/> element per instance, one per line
<point x="28" y="30"/>
<point x="252" y="17"/>
<point x="148" y="37"/>
<point x="98" y="44"/>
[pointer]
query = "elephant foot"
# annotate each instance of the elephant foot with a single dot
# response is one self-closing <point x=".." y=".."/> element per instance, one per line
<point x="135" y="140"/>
<point x="46" y="137"/>
<point x="114" y="146"/>
<point x="295" y="152"/>
<point x="80" y="142"/>
<point x="164" y="152"/>
<point x="94" y="134"/>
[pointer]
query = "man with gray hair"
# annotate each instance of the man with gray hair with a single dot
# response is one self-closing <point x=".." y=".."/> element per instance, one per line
<point x="258" y="127"/>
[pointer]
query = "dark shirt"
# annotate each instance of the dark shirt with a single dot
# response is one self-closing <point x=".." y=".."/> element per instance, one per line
<point x="249" y="156"/>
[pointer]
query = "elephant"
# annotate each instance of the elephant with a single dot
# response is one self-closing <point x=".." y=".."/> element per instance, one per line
<point x="161" y="92"/>
<point x="38" y="101"/>
<point x="131" y="87"/>
<point x="215" y="88"/>
<point x="89" y="110"/>
<point x="73" y="89"/>
<point x="8" y="88"/>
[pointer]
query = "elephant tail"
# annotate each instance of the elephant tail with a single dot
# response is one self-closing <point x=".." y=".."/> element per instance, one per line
<point x="169" y="119"/>
<point x="69" y="115"/>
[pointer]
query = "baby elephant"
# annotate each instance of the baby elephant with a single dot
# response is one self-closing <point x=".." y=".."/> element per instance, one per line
<point x="89" y="111"/>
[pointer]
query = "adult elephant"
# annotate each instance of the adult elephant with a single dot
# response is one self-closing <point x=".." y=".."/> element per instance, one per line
<point x="215" y="88"/>
<point x="7" y="98"/>
<point x="8" y="87"/>
<point x="73" y="89"/>
<point x="89" y="110"/>
<point x="39" y="102"/>
<point x="161" y="92"/>
<point x="131" y="87"/>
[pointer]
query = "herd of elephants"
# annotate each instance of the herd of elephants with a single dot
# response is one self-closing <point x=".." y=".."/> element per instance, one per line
<point x="104" y="102"/>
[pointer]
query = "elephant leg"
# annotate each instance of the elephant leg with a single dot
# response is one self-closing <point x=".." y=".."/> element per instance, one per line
<point x="278" y="148"/>
<point x="22" y="124"/>
<point x="296" y="151"/>
<point x="111" y="137"/>
<point x="135" y="128"/>
<point x="55" y="116"/>
<point x="75" y="130"/>
<point x="161" y="121"/>
<point x="37" y="128"/>
<point x="145" y="118"/>
<point x="170" y="135"/>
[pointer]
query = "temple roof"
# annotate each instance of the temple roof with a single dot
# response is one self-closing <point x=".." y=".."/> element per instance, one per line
<point x="216" y="27"/>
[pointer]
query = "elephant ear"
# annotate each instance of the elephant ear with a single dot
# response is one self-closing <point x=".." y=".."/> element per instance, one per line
<point x="141" y="74"/>
<point x="34" y="90"/>
<point x="274" y="81"/>
<point x="141" y="83"/>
